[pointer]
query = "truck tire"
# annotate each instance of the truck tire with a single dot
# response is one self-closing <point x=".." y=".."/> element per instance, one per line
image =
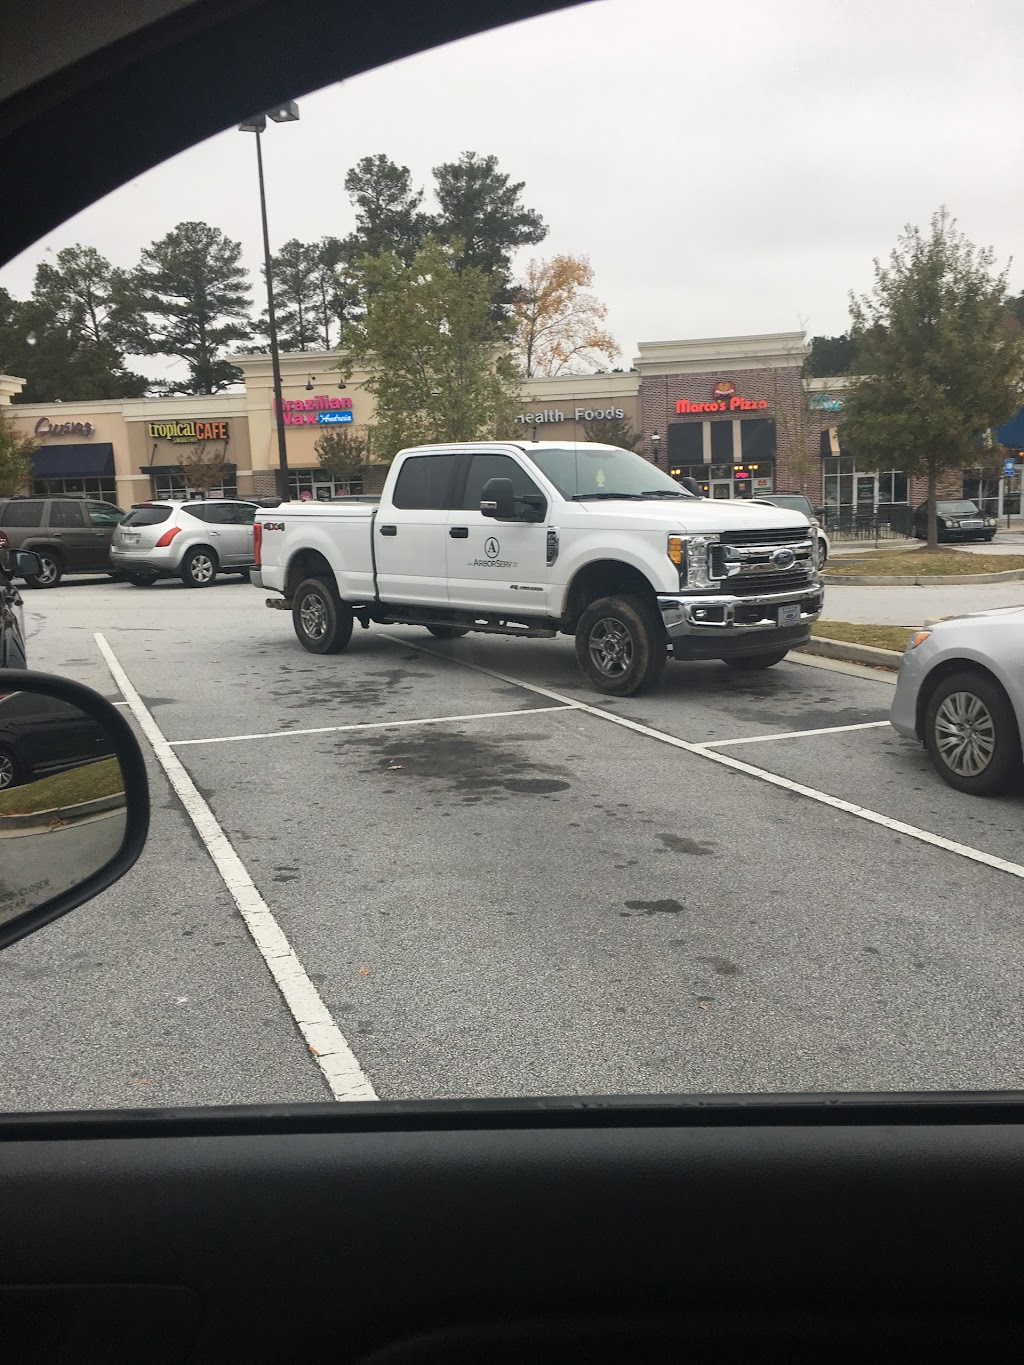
<point x="322" y="623"/>
<point x="751" y="663"/>
<point x="620" y="645"/>
<point x="51" y="568"/>
<point x="448" y="632"/>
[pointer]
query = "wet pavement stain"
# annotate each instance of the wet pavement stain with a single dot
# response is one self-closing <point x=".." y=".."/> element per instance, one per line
<point x="721" y="966"/>
<point x="677" y="843"/>
<point x="662" y="907"/>
<point x="473" y="767"/>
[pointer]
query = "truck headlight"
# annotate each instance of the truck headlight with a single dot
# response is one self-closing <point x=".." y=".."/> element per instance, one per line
<point x="701" y="571"/>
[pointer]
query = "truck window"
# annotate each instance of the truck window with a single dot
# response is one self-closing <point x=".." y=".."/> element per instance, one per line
<point x="67" y="514"/>
<point x="426" y="482"/>
<point x="27" y="513"/>
<point x="493" y="466"/>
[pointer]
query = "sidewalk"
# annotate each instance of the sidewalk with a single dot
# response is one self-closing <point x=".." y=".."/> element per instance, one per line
<point x="913" y="606"/>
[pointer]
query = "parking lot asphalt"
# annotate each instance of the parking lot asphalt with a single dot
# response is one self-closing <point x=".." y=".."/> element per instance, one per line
<point x="498" y="882"/>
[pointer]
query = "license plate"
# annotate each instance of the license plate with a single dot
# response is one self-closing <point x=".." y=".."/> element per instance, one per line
<point x="789" y="615"/>
<point x="129" y="539"/>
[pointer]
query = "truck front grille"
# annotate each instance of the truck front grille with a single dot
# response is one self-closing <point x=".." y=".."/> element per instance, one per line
<point x="772" y="537"/>
<point x="756" y="584"/>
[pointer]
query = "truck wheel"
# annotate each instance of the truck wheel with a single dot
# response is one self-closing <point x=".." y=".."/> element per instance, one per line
<point x="448" y="632"/>
<point x="322" y="623"/>
<point x="750" y="663"/>
<point x="972" y="736"/>
<point x="51" y="568"/>
<point x="620" y="645"/>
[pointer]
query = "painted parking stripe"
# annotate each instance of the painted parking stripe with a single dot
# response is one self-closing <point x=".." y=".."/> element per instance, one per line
<point x="874" y="817"/>
<point x="793" y="734"/>
<point x="369" y="725"/>
<point x="330" y="1048"/>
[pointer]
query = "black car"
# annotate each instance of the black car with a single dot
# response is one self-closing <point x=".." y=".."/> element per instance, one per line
<point x="958" y="519"/>
<point x="12" y="625"/>
<point x="69" y="535"/>
<point x="42" y="735"/>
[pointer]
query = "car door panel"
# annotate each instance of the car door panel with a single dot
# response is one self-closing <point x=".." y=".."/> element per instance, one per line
<point x="69" y="529"/>
<point x="229" y="537"/>
<point x="410" y="532"/>
<point x="497" y="566"/>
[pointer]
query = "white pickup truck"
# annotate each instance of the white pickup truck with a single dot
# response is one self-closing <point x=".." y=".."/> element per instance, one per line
<point x="542" y="538"/>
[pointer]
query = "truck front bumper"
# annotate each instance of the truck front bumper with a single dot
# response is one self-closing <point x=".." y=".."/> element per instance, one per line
<point x="720" y="625"/>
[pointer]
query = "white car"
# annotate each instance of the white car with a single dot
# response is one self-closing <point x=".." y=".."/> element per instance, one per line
<point x="193" y="541"/>
<point x="960" y="691"/>
<point x="800" y="502"/>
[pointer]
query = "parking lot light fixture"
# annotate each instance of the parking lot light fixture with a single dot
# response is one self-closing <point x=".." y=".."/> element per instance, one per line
<point x="281" y="113"/>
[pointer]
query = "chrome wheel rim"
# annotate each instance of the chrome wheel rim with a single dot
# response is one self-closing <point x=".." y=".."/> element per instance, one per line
<point x="47" y="569"/>
<point x="6" y="771"/>
<point x="965" y="734"/>
<point x="313" y="615"/>
<point x="611" y="647"/>
<point x="202" y="568"/>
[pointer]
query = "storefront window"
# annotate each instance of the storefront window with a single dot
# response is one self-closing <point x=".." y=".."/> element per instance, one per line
<point x="317" y="485"/>
<point x="172" y="488"/>
<point x="103" y="488"/>
<point x="720" y="481"/>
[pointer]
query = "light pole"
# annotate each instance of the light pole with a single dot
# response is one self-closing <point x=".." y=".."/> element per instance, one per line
<point x="282" y="113"/>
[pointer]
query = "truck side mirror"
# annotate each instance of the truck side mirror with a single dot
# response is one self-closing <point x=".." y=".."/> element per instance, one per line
<point x="692" y="486"/>
<point x="498" y="500"/>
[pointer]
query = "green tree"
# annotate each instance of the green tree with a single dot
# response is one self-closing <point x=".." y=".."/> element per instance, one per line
<point x="295" y="268"/>
<point x="336" y="294"/>
<point x="482" y="211"/>
<point x="439" y="361"/>
<point x="388" y="214"/>
<point x="15" y="455"/>
<point x="614" y="431"/>
<point x="66" y="340"/>
<point x="831" y="356"/>
<point x="942" y="360"/>
<point x="189" y="297"/>
<point x="342" y="452"/>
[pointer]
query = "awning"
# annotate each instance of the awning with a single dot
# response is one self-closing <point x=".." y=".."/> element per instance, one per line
<point x="1012" y="434"/>
<point x="73" y="462"/>
<point x="228" y="469"/>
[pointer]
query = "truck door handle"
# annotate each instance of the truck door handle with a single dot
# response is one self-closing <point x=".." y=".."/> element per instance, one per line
<point x="389" y="530"/>
<point x="459" y="532"/>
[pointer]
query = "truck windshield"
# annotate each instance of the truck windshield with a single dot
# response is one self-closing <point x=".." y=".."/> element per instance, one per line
<point x="603" y="472"/>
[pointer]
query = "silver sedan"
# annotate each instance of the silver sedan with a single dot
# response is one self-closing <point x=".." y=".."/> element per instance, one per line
<point x="960" y="692"/>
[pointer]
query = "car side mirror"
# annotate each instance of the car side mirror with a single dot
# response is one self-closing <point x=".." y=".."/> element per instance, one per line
<point x="74" y="799"/>
<point x="498" y="500"/>
<point x="26" y="563"/>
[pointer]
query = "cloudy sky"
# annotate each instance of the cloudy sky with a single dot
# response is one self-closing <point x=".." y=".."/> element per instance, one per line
<point x="728" y="168"/>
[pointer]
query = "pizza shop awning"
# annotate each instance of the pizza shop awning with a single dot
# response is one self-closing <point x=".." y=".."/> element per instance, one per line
<point x="73" y="462"/>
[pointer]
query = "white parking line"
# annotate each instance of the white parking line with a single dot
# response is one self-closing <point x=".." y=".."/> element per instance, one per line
<point x="326" y="1042"/>
<point x="924" y="836"/>
<point x="792" y="734"/>
<point x="369" y="725"/>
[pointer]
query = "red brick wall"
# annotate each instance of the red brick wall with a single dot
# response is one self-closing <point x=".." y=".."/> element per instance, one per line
<point x="783" y="389"/>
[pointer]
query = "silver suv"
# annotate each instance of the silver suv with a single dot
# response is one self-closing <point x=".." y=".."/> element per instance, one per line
<point x="193" y="540"/>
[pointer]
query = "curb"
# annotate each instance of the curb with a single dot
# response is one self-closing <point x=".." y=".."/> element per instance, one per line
<point x="79" y="812"/>
<point x="939" y="580"/>
<point x="852" y="653"/>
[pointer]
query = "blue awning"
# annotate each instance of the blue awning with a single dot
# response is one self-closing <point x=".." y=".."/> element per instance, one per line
<point x="1012" y="434"/>
<point x="72" y="462"/>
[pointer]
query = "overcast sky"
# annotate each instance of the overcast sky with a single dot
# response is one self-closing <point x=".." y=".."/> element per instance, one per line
<point x="728" y="169"/>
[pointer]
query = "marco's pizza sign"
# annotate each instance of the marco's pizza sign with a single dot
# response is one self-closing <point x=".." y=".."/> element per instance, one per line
<point x="187" y="432"/>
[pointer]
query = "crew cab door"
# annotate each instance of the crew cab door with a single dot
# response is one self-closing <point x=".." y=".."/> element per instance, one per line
<point x="493" y="565"/>
<point x="410" y="531"/>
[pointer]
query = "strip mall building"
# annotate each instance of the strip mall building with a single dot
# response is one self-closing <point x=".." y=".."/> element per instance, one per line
<point x="734" y="413"/>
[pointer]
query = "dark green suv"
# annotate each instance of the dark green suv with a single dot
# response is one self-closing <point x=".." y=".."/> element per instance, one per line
<point x="69" y="535"/>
